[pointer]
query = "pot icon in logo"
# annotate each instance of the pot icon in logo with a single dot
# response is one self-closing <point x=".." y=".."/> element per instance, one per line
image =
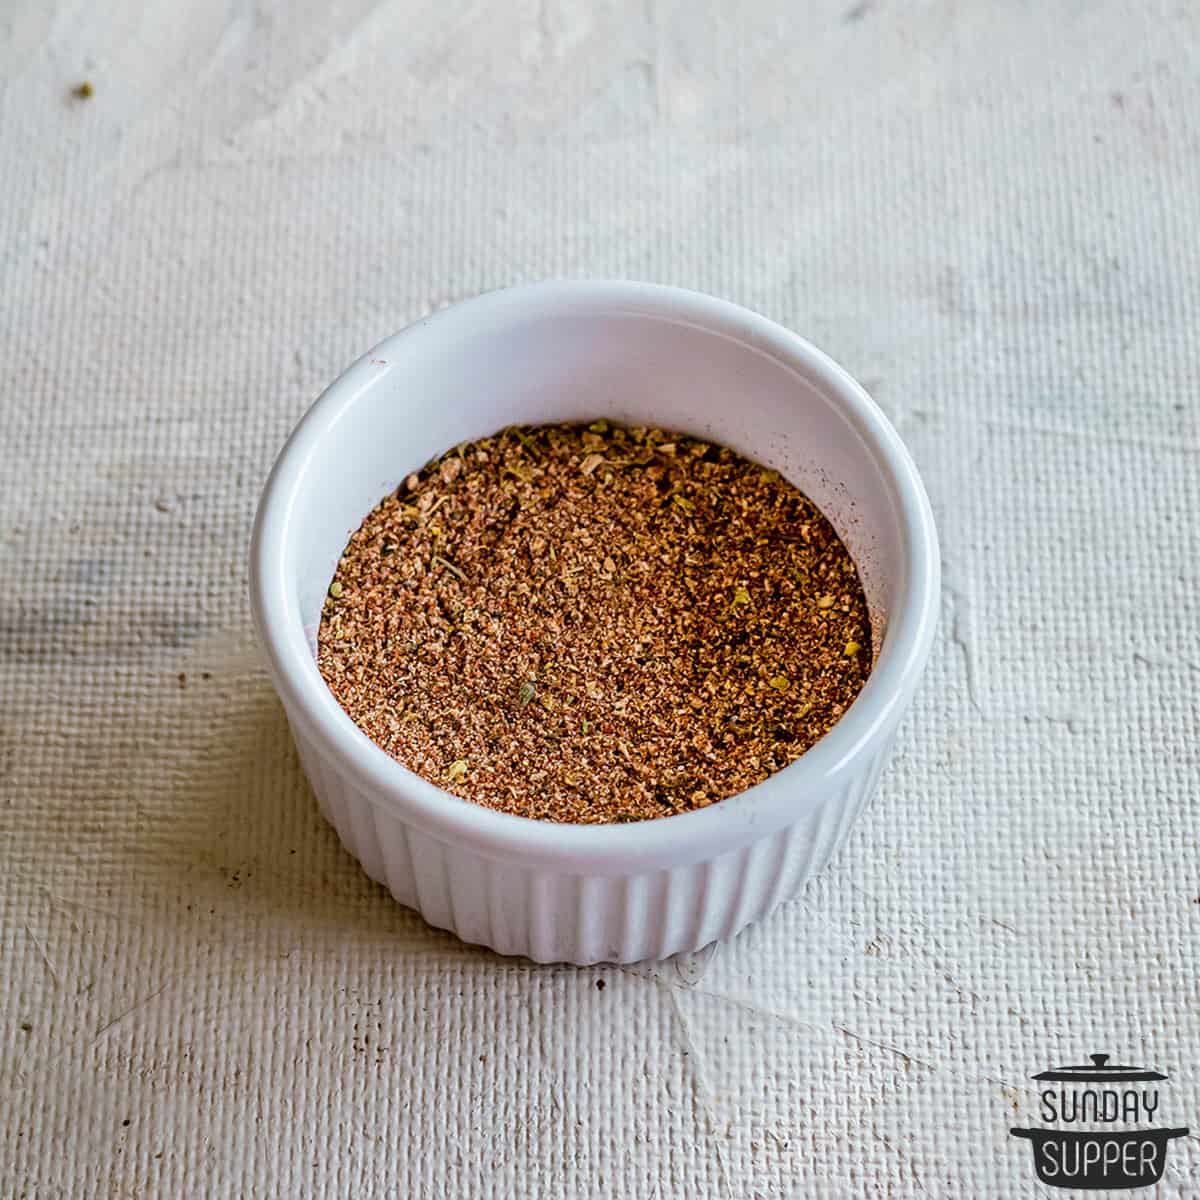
<point x="1099" y="1133"/>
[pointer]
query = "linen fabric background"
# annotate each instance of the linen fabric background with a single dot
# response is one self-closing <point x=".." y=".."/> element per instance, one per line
<point x="987" y="212"/>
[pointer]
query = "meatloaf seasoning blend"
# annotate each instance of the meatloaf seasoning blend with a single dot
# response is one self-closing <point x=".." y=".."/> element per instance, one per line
<point x="594" y="624"/>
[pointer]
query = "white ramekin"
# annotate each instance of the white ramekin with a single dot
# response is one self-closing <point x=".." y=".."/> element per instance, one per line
<point x="642" y="355"/>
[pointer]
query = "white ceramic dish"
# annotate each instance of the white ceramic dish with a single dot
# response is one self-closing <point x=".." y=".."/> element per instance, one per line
<point x="643" y="355"/>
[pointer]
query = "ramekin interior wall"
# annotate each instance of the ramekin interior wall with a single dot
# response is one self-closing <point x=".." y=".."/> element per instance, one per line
<point x="433" y="387"/>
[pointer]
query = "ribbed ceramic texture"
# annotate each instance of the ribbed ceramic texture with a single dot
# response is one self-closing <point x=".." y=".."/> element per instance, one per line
<point x="555" y="917"/>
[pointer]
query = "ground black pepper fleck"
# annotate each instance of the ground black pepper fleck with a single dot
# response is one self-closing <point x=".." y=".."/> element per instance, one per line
<point x="595" y="624"/>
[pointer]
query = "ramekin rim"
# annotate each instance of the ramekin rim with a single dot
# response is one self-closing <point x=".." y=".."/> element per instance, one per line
<point x="607" y="848"/>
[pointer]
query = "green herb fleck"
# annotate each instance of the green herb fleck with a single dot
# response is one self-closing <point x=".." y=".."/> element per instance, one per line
<point x="528" y="443"/>
<point x="438" y="561"/>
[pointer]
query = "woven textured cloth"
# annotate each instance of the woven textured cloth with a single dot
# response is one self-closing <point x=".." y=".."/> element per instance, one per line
<point x="987" y="212"/>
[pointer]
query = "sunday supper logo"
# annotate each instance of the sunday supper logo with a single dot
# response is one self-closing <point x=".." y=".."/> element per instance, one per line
<point x="1099" y="1132"/>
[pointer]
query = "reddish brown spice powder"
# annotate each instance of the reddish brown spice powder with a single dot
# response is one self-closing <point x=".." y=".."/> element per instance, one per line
<point x="593" y="624"/>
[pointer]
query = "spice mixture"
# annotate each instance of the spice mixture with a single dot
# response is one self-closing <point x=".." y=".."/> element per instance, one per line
<point x="592" y="623"/>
